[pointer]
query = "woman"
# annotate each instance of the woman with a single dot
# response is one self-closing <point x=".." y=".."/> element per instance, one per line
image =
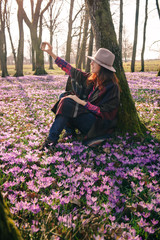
<point x="92" y="105"/>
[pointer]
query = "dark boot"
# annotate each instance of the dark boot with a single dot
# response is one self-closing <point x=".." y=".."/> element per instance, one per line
<point x="49" y="144"/>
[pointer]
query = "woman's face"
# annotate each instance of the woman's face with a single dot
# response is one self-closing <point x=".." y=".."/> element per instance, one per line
<point x="95" y="67"/>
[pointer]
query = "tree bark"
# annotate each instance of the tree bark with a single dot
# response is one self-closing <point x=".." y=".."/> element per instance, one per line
<point x="51" y="35"/>
<point x="105" y="36"/>
<point x="33" y="59"/>
<point x="84" y="40"/>
<point x="79" y="41"/>
<point x="90" y="50"/>
<point x="8" y="230"/>
<point x="69" y="37"/>
<point x="135" y="37"/>
<point x="19" y="62"/>
<point x="3" y="47"/>
<point x="144" y="37"/>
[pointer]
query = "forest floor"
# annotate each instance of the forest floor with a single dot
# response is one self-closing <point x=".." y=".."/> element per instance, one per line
<point x="108" y="192"/>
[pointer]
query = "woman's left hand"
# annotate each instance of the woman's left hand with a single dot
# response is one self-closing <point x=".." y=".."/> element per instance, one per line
<point x="76" y="99"/>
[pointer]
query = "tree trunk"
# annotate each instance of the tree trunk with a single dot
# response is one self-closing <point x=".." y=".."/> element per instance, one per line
<point x="3" y="48"/>
<point x="12" y="46"/>
<point x="105" y="36"/>
<point x="121" y="25"/>
<point x="51" y="36"/>
<point x="8" y="230"/>
<point x="39" y="57"/>
<point x="135" y="37"/>
<point x="69" y="37"/>
<point x="79" y="41"/>
<point x="19" y="62"/>
<point x="33" y="58"/>
<point x="158" y="9"/>
<point x="90" y="50"/>
<point x="50" y="58"/>
<point x="3" y="54"/>
<point x="144" y="37"/>
<point x="84" y="40"/>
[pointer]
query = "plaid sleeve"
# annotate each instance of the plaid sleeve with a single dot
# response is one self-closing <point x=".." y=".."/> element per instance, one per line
<point x="93" y="108"/>
<point x="65" y="66"/>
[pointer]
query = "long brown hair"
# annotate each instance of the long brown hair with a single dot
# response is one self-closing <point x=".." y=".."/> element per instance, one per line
<point x="102" y="78"/>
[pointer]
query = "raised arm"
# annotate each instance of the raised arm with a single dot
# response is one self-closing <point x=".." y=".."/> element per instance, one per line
<point x="65" y="66"/>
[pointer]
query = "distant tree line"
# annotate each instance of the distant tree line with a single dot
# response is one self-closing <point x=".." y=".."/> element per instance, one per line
<point x="46" y="15"/>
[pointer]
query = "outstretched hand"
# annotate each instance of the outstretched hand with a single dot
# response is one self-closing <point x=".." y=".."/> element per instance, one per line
<point x="46" y="47"/>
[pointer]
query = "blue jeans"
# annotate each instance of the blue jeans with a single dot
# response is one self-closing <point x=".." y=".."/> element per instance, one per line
<point x="83" y="123"/>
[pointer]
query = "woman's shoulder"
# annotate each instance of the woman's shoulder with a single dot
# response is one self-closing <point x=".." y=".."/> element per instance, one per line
<point x="79" y="73"/>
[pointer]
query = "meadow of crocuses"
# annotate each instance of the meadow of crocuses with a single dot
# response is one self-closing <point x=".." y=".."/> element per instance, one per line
<point x="108" y="192"/>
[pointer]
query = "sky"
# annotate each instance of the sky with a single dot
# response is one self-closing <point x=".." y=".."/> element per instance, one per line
<point x="152" y="51"/>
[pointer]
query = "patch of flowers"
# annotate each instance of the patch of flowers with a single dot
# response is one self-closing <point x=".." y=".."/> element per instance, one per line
<point x="110" y="192"/>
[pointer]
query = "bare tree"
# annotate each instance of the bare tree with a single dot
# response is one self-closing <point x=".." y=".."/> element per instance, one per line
<point x="79" y="40"/>
<point x="54" y="12"/>
<point x="90" y="50"/>
<point x="121" y="25"/>
<point x="105" y="36"/>
<point x="70" y="28"/>
<point x="126" y="46"/>
<point x="3" y="47"/>
<point x="144" y="36"/>
<point x="158" y="8"/>
<point x="20" y="53"/>
<point x="36" y="37"/>
<point x="84" y="40"/>
<point x="69" y="37"/>
<point x="9" y="33"/>
<point x="135" y="37"/>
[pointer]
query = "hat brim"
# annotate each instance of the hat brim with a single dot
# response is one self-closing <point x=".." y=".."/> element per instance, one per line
<point x="101" y="64"/>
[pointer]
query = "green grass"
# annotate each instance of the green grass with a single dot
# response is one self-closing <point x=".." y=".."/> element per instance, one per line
<point x="150" y="65"/>
<point x="27" y="70"/>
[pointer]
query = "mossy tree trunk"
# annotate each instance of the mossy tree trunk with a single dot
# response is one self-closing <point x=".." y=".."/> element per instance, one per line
<point x="105" y="36"/>
<point x="8" y="230"/>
